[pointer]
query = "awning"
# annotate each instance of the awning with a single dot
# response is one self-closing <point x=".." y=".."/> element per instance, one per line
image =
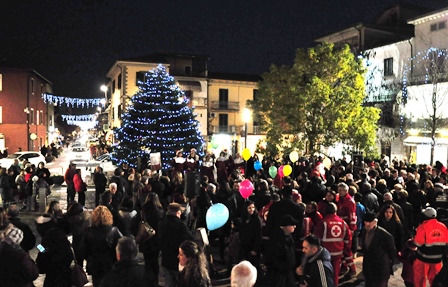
<point x="416" y="140"/>
<point x="194" y="86"/>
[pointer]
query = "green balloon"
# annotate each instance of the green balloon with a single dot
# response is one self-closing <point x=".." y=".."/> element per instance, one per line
<point x="273" y="171"/>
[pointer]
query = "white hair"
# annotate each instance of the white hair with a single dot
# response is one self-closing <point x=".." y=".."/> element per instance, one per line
<point x="113" y="184"/>
<point x="244" y="274"/>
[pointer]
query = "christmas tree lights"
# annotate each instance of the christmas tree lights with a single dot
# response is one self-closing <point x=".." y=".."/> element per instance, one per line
<point x="157" y="120"/>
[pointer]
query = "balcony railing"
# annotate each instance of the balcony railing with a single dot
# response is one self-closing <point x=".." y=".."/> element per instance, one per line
<point x="256" y="130"/>
<point x="225" y="106"/>
<point x="226" y="129"/>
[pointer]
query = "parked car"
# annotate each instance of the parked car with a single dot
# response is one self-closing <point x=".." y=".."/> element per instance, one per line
<point x="104" y="162"/>
<point x="80" y="155"/>
<point x="33" y="157"/>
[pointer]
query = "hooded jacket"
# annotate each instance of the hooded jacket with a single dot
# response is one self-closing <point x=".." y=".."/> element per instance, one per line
<point x="318" y="269"/>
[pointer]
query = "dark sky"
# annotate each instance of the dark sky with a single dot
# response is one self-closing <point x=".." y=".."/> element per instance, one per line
<point x="73" y="43"/>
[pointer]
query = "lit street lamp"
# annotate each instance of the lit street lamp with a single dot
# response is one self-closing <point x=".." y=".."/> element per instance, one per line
<point x="104" y="89"/>
<point x="246" y="119"/>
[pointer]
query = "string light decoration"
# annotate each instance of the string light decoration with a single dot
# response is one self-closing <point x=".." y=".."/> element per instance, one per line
<point x="78" y="102"/>
<point x="90" y="117"/>
<point x="156" y="120"/>
<point x="432" y="65"/>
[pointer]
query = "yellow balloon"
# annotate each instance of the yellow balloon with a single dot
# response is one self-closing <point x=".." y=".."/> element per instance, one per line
<point x="294" y="156"/>
<point x="287" y="169"/>
<point x="246" y="154"/>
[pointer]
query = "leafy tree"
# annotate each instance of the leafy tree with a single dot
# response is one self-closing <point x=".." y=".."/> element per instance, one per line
<point x="318" y="100"/>
<point x="157" y="120"/>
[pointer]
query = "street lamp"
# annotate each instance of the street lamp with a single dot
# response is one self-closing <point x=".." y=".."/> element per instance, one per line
<point x="104" y="89"/>
<point x="246" y="119"/>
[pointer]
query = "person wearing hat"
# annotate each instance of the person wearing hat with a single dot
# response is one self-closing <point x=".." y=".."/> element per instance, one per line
<point x="16" y="266"/>
<point x="172" y="232"/>
<point x="379" y="252"/>
<point x="280" y="255"/>
<point x="431" y="238"/>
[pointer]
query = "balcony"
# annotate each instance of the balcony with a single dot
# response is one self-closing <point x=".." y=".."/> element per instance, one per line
<point x="226" y="129"/>
<point x="225" y="106"/>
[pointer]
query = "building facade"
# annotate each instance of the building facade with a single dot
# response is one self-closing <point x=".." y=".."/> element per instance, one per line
<point x="26" y="121"/>
<point x="399" y="48"/>
<point x="228" y="94"/>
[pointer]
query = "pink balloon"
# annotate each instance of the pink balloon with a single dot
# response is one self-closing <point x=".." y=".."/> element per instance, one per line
<point x="246" y="188"/>
<point x="280" y="171"/>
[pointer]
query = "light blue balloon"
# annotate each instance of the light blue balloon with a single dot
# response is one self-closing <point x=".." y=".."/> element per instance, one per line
<point x="217" y="215"/>
<point x="257" y="165"/>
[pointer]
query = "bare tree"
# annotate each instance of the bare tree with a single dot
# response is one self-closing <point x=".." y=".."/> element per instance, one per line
<point x="425" y="90"/>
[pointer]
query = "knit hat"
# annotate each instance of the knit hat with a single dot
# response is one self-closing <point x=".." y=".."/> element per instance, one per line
<point x="430" y="212"/>
<point x="13" y="234"/>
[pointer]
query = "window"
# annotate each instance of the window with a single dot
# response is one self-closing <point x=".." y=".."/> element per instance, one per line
<point x="41" y="118"/>
<point x="139" y="76"/>
<point x="1" y="81"/>
<point x="438" y="26"/>
<point x="51" y="120"/>
<point x="37" y="117"/>
<point x="223" y="122"/>
<point x="1" y="115"/>
<point x="32" y="85"/>
<point x="223" y="98"/>
<point x="388" y="67"/>
<point x="255" y="94"/>
<point x="189" y="96"/>
<point x="437" y="61"/>
<point x="119" y="82"/>
<point x="113" y="86"/>
<point x="32" y="116"/>
<point x="41" y="89"/>
<point x="187" y="70"/>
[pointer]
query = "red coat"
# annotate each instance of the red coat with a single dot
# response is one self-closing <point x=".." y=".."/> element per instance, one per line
<point x="347" y="211"/>
<point x="334" y="233"/>
<point x="78" y="183"/>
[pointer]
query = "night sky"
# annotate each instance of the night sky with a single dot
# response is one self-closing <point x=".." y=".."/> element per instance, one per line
<point x="73" y="43"/>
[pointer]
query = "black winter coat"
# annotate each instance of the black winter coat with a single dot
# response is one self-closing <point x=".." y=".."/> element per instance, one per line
<point x="17" y="269"/>
<point x="153" y="217"/>
<point x="126" y="274"/>
<point x="280" y="261"/>
<point x="98" y="248"/>
<point x="250" y="235"/>
<point x="172" y="232"/>
<point x="379" y="258"/>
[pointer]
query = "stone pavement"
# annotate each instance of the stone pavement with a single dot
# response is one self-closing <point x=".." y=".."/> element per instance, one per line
<point x="59" y="193"/>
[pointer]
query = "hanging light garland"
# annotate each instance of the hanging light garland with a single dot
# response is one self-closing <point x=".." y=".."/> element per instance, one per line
<point x="79" y="117"/>
<point x="78" y="102"/>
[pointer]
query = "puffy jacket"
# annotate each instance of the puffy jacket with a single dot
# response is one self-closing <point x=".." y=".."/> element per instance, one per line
<point x="334" y="233"/>
<point x="431" y="238"/>
<point x="347" y="211"/>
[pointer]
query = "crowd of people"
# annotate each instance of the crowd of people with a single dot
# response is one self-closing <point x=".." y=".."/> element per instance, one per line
<point x="299" y="230"/>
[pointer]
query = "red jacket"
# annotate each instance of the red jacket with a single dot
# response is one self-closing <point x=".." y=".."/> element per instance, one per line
<point x="431" y="238"/>
<point x="347" y="211"/>
<point x="334" y="233"/>
<point x="78" y="183"/>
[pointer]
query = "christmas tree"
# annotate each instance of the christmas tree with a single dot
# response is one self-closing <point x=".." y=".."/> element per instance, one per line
<point x="156" y="120"/>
